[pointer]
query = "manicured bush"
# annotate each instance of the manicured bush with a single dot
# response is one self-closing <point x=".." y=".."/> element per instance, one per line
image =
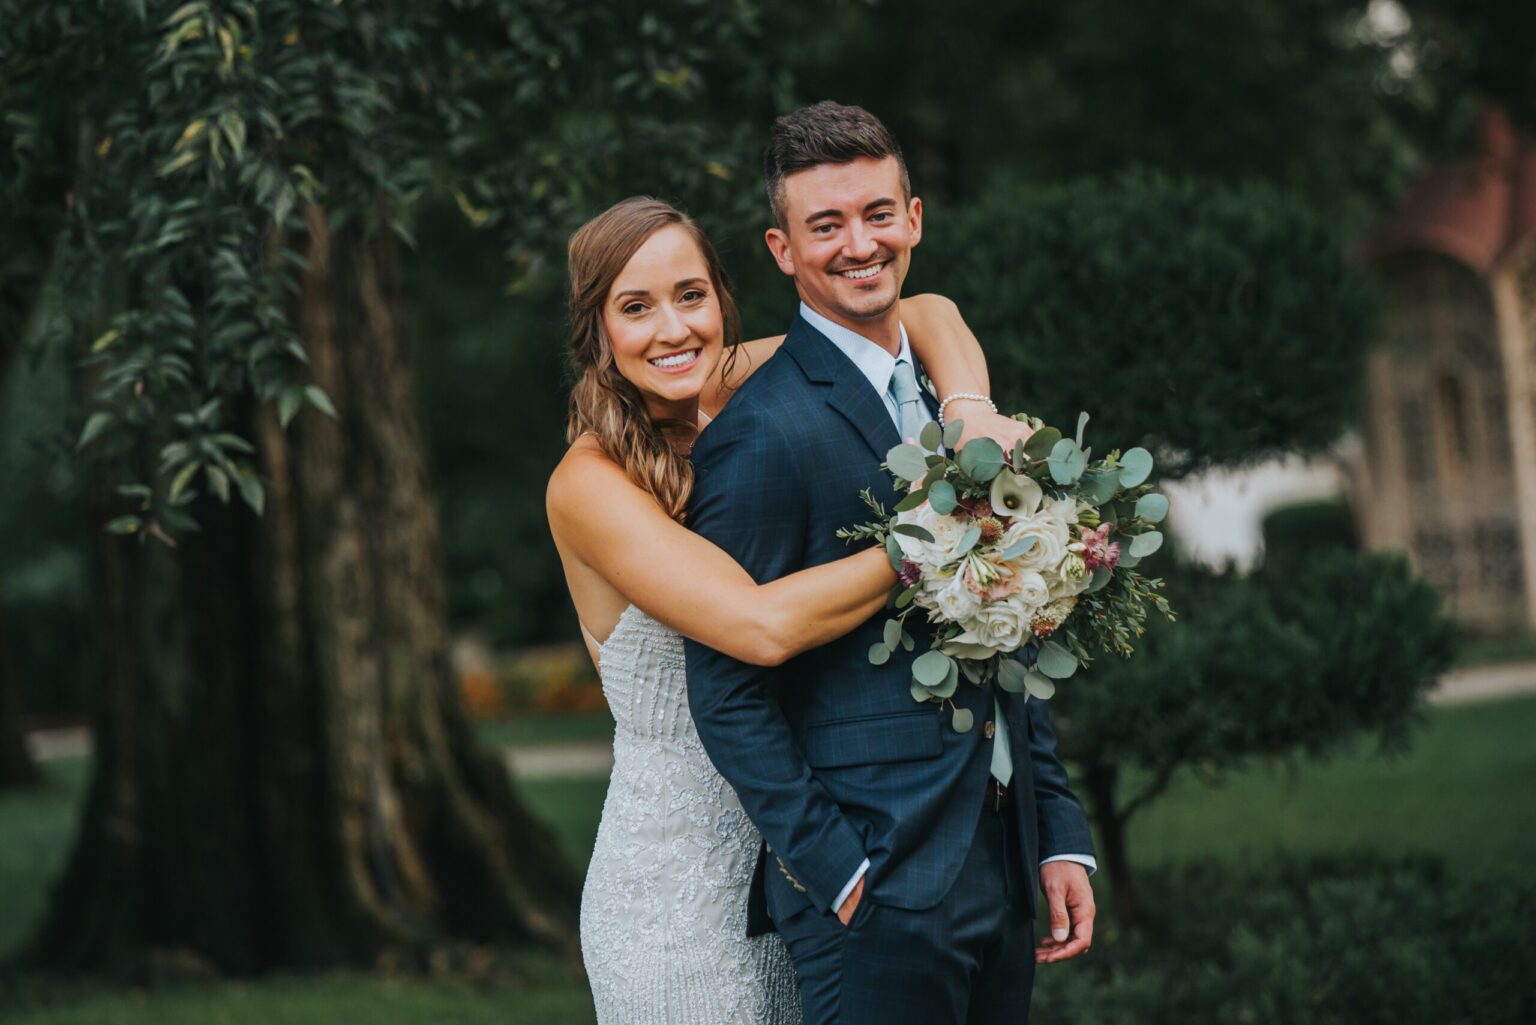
<point x="1348" y="940"/>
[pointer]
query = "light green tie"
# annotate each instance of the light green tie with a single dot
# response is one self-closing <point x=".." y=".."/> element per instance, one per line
<point x="912" y="417"/>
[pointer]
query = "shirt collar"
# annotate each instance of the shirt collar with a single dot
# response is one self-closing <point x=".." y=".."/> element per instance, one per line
<point x="873" y="362"/>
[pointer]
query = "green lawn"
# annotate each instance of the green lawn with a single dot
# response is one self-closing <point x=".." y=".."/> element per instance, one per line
<point x="1461" y="793"/>
<point x="546" y="728"/>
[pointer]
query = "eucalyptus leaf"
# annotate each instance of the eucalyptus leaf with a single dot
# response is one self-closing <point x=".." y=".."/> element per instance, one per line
<point x="1127" y="560"/>
<point x="1041" y="442"/>
<point x="879" y="654"/>
<point x="1152" y="507"/>
<point x="1039" y="686"/>
<point x="1010" y="675"/>
<point x="907" y="462"/>
<point x="1135" y="467"/>
<point x="942" y="497"/>
<point x="931" y="436"/>
<point x="971" y="670"/>
<point x="913" y="530"/>
<point x="968" y="540"/>
<point x="1100" y="578"/>
<point x="893" y="552"/>
<point x="1101" y="486"/>
<point x="920" y="693"/>
<point x="1143" y="545"/>
<point x="912" y="501"/>
<point x="1066" y="462"/>
<point x="1020" y="457"/>
<point x="931" y="668"/>
<point x="964" y="720"/>
<point x="892" y="633"/>
<point x="1056" y="661"/>
<point x="935" y="473"/>
<point x="953" y="432"/>
<point x="1082" y="421"/>
<point x="1020" y="547"/>
<point x="981" y="459"/>
<point x="907" y="641"/>
<point x="903" y="600"/>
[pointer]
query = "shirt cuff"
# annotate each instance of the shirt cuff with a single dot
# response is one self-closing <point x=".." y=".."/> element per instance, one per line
<point x="1086" y="860"/>
<point x="837" y="904"/>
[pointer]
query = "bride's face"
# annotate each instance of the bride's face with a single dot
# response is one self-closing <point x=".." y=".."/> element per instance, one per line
<point x="663" y="319"/>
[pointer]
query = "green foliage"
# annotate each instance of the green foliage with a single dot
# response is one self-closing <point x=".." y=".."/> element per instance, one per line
<point x="1347" y="940"/>
<point x="1286" y="661"/>
<point x="1295" y="532"/>
<point x="1190" y="315"/>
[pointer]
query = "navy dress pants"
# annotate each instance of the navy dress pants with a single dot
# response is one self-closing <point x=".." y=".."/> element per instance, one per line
<point x="967" y="961"/>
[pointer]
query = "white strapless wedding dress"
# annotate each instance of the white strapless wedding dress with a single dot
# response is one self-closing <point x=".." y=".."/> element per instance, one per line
<point x="664" y="910"/>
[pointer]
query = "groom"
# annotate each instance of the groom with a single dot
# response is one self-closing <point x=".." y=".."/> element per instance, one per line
<point x="901" y="856"/>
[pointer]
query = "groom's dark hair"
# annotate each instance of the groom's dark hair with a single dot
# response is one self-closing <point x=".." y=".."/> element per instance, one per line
<point x="824" y="133"/>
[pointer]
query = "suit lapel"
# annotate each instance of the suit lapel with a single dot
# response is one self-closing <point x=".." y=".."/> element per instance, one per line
<point x="850" y="392"/>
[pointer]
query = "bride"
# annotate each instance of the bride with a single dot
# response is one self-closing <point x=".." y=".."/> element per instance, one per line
<point x="663" y="914"/>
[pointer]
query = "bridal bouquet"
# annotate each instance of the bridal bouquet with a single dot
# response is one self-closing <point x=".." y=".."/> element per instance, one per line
<point x="1033" y="550"/>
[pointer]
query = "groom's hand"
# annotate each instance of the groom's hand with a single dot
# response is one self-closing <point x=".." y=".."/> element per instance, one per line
<point x="1069" y="899"/>
<point x="845" y="913"/>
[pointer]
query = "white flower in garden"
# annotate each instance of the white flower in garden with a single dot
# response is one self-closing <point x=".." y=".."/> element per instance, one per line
<point x="1014" y="494"/>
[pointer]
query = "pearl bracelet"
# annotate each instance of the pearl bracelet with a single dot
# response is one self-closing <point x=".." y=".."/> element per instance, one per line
<point x="964" y="395"/>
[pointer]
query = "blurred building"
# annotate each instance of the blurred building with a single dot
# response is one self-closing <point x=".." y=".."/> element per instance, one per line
<point x="1448" y="433"/>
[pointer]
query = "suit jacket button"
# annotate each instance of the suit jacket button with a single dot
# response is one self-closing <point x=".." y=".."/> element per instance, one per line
<point x="989" y="730"/>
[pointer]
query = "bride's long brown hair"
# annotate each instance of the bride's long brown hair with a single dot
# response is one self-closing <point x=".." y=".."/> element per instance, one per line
<point x="603" y="401"/>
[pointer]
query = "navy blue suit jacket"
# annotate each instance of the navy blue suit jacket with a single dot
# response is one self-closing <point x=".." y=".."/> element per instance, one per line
<point x="830" y="755"/>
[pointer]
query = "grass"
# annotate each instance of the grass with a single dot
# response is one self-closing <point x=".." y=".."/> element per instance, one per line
<point x="1460" y="793"/>
<point x="1482" y="651"/>
<point x="546" y="728"/>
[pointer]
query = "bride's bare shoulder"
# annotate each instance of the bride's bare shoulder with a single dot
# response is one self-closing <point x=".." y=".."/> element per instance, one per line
<point x="586" y="476"/>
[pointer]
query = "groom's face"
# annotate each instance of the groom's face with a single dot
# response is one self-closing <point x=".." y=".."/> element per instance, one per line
<point x="848" y="240"/>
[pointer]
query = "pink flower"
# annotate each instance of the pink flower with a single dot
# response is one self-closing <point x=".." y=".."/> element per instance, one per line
<point x="911" y="573"/>
<point x="1098" y="550"/>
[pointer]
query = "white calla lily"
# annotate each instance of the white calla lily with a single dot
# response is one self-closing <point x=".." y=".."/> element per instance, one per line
<point x="1014" y="494"/>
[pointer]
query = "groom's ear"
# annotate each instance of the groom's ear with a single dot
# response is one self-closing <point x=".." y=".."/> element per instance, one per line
<point x="915" y="218"/>
<point x="778" y="245"/>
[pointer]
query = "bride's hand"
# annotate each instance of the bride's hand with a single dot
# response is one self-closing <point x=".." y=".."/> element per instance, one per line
<point x="981" y="422"/>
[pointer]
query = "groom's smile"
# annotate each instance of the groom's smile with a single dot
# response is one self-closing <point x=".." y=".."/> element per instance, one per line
<point x="848" y="240"/>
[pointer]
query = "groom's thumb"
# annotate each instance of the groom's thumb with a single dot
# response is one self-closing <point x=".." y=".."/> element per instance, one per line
<point x="1059" y="920"/>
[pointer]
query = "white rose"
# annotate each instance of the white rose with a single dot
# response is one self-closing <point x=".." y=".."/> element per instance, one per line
<point x="1051" y="538"/>
<point x="1033" y="590"/>
<point x="946" y="531"/>
<point x="1004" y="625"/>
<point x="955" y="601"/>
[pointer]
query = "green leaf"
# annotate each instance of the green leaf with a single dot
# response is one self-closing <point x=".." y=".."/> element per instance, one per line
<point x="1152" y="507"/>
<point x="912" y="501"/>
<point x="1127" y="560"/>
<point x="218" y="482"/>
<point x="892" y="633"/>
<point x="1143" y="545"/>
<point x="981" y="460"/>
<point x="893" y="552"/>
<point x="1101" y="486"/>
<point x="1082" y="421"/>
<point x="252" y="491"/>
<point x="1020" y="547"/>
<point x="968" y="540"/>
<point x="1020" y="457"/>
<point x="105" y="339"/>
<point x="920" y="693"/>
<point x="1135" y="467"/>
<point x="1041" y="442"/>
<point x="907" y="642"/>
<point x="1039" y="686"/>
<point x="907" y="462"/>
<point x="1056" y="661"/>
<point x="123" y="525"/>
<point x="931" y="437"/>
<point x="288" y="405"/>
<point x="321" y="401"/>
<point x="963" y="721"/>
<point x="1010" y="675"/>
<point x="233" y="441"/>
<point x="879" y="654"/>
<point x="931" y="669"/>
<point x="913" y="530"/>
<point x="936" y="471"/>
<point x="1100" y="578"/>
<point x="972" y="670"/>
<point x="942" y="497"/>
<point x="902" y="601"/>
<point x="953" y="431"/>
<point x="1067" y="461"/>
<point x="182" y="479"/>
<point x="94" y="425"/>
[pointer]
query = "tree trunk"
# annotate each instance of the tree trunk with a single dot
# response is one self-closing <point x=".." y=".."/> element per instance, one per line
<point x="1100" y="780"/>
<point x="16" y="766"/>
<point x="296" y="785"/>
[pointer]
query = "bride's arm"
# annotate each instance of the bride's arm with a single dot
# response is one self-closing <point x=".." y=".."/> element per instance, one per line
<point x="953" y="358"/>
<point x="695" y="588"/>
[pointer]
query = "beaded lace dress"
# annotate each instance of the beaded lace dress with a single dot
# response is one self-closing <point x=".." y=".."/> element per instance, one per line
<point x="664" y="909"/>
